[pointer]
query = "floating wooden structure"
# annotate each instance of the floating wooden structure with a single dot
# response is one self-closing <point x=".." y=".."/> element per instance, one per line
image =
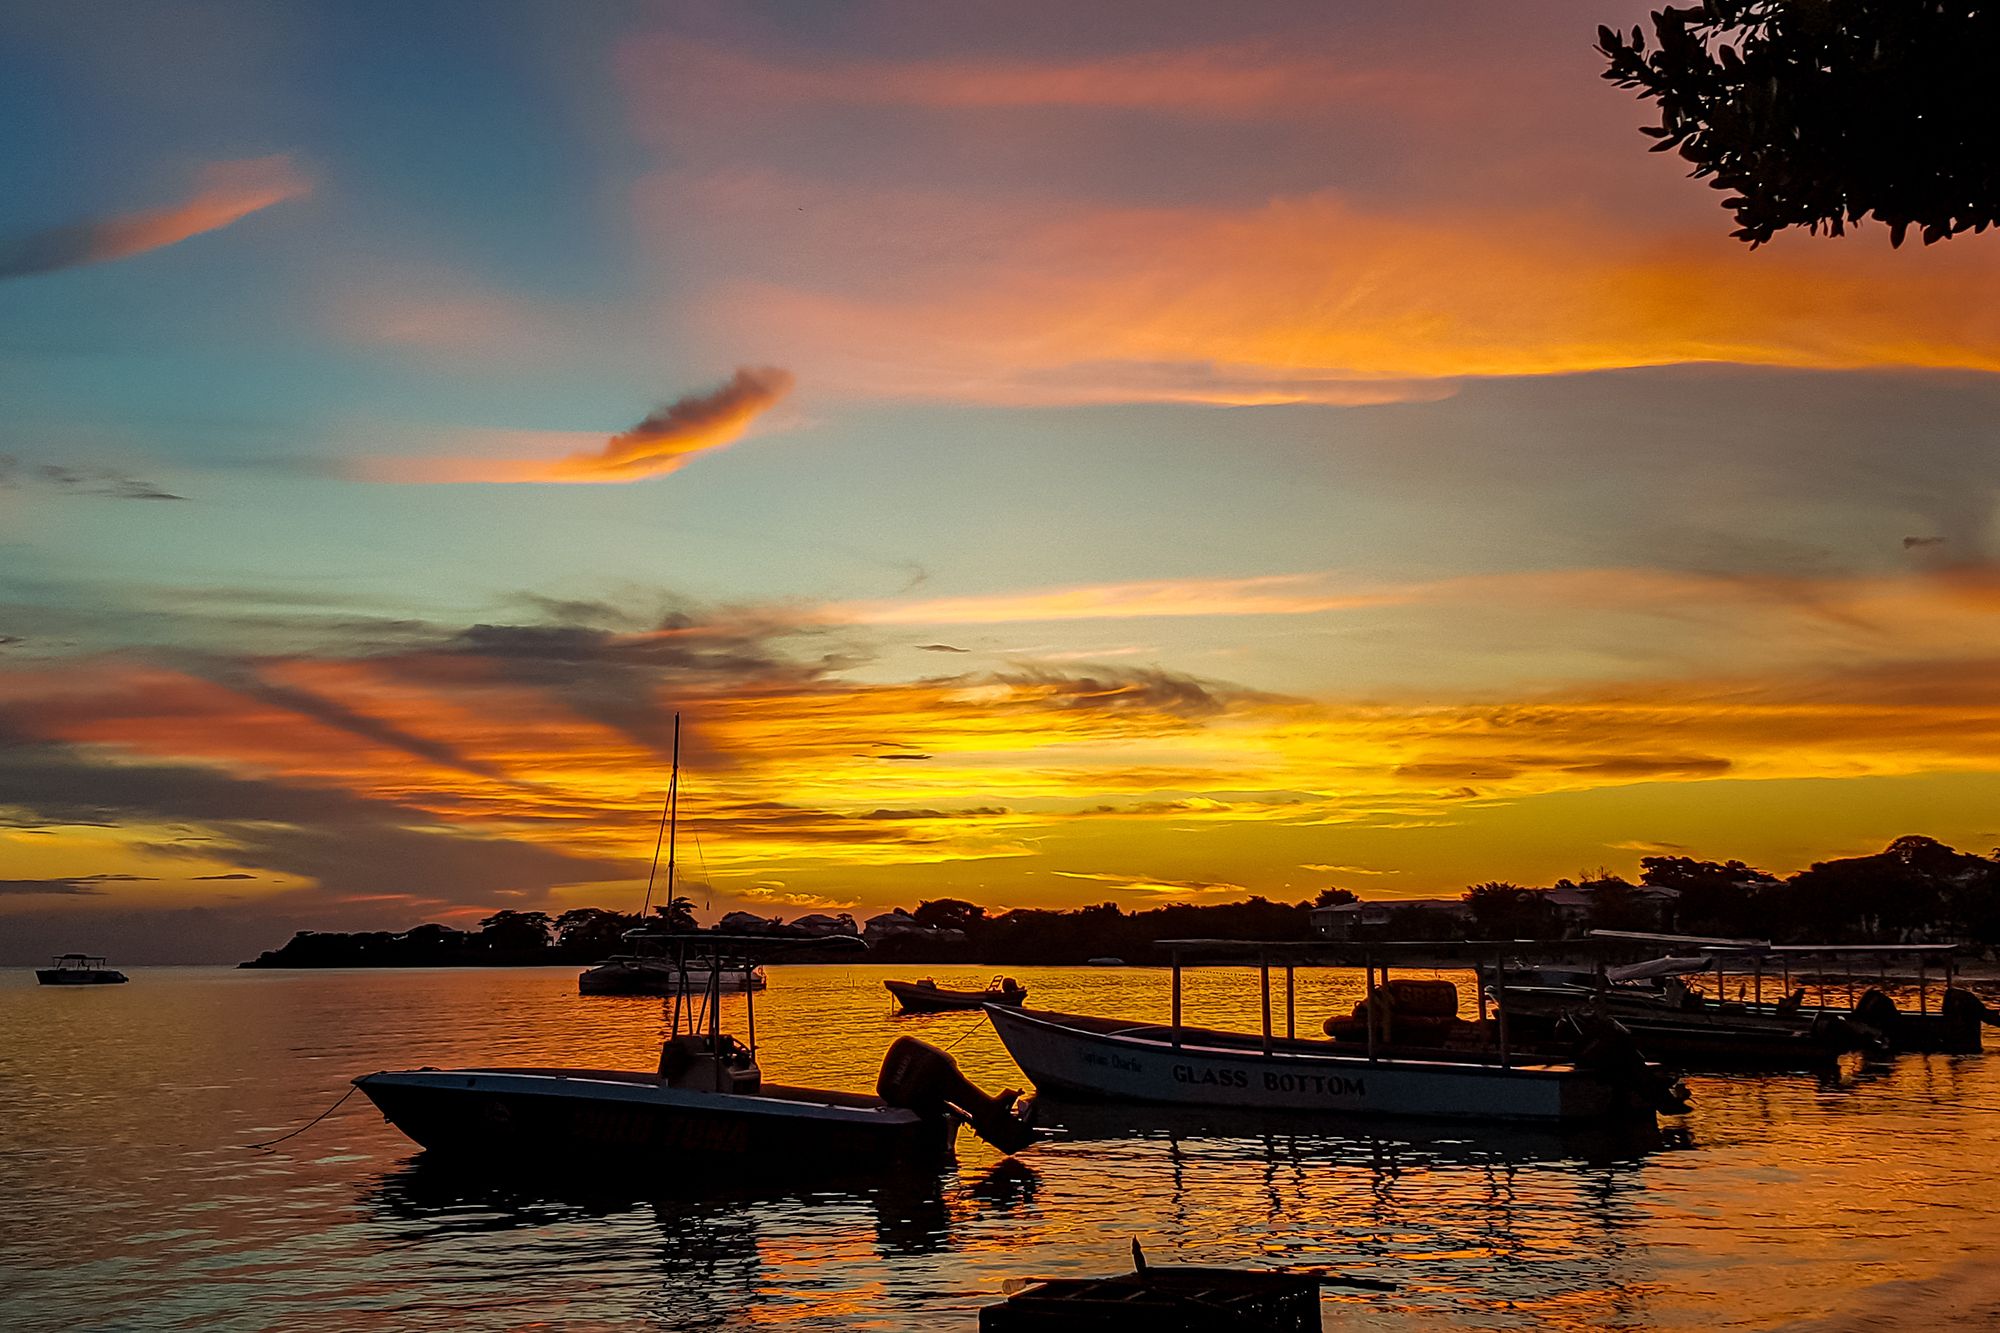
<point x="1171" y="1299"/>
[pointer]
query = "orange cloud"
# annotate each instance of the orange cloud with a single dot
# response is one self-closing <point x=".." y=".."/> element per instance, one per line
<point x="549" y="737"/>
<point x="666" y="441"/>
<point x="1303" y="299"/>
<point x="226" y="192"/>
<point x="1235" y="80"/>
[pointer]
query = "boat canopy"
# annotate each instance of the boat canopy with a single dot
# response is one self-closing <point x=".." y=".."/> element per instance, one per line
<point x="1659" y="967"/>
<point x="1713" y="947"/>
<point x="1358" y="953"/>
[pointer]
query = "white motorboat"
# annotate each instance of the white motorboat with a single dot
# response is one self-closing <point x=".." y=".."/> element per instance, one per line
<point x="1176" y="1064"/>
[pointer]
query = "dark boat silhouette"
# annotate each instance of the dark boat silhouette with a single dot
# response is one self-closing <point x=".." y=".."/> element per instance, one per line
<point x="80" y="969"/>
<point x="927" y="997"/>
<point x="705" y="1109"/>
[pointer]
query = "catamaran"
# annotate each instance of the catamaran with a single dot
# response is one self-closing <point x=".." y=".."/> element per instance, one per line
<point x="1178" y="1064"/>
<point x="649" y="969"/>
<point x="80" y="969"/>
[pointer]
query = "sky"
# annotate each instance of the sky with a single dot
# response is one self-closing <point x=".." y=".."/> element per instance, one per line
<point x="1045" y="454"/>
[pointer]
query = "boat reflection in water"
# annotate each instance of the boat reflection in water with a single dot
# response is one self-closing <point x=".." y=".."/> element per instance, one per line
<point x="1331" y="1137"/>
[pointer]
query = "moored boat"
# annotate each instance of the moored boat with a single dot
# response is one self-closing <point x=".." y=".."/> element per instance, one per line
<point x="927" y="997"/>
<point x="1177" y="1064"/>
<point x="651" y="970"/>
<point x="643" y="973"/>
<point x="705" y="1108"/>
<point x="1804" y="974"/>
<point x="1120" y="1059"/>
<point x="80" y="969"/>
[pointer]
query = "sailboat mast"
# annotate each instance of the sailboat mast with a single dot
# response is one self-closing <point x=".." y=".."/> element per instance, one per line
<point x="667" y="817"/>
<point x="673" y="817"/>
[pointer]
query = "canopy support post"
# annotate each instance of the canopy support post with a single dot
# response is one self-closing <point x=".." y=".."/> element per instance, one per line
<point x="1368" y="998"/>
<point x="1291" y="1033"/>
<point x="1264" y="978"/>
<point x="1177" y="999"/>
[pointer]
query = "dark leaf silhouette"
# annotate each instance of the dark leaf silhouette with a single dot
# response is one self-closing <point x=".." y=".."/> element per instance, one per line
<point x="1819" y="113"/>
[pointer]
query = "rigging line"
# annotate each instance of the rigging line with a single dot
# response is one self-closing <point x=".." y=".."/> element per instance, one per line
<point x="707" y="884"/>
<point x="308" y="1124"/>
<point x="659" y="840"/>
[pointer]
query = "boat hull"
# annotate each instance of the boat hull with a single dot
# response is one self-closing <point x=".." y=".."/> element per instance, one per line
<point x="628" y="1122"/>
<point x="1738" y="1038"/>
<point x="916" y="999"/>
<point x="69" y="976"/>
<point x="1078" y="1056"/>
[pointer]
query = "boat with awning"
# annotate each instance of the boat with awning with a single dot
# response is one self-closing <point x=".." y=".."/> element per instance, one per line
<point x="1177" y="1063"/>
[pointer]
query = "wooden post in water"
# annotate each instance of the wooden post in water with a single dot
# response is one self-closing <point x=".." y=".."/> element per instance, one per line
<point x="1177" y="999"/>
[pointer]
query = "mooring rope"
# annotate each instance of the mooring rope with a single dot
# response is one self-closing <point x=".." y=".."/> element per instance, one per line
<point x="983" y="1018"/>
<point x="308" y="1124"/>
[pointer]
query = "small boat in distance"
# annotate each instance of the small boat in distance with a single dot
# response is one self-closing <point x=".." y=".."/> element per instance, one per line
<point x="927" y="997"/>
<point x="1104" y="962"/>
<point x="705" y="1110"/>
<point x="80" y="969"/>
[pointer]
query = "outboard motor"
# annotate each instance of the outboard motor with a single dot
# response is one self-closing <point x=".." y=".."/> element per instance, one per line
<point x="1961" y="1005"/>
<point x="1877" y="1013"/>
<point x="1605" y="1046"/>
<point x="919" y="1077"/>
<point x="1837" y="1032"/>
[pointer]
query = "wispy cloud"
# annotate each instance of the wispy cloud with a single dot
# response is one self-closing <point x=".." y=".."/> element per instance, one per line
<point x="225" y="192"/>
<point x="1271" y="594"/>
<point x="65" y="885"/>
<point x="1169" y="888"/>
<point x="103" y="482"/>
<point x="665" y="441"/>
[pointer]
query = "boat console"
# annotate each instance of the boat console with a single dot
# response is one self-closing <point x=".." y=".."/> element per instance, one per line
<point x="709" y="1062"/>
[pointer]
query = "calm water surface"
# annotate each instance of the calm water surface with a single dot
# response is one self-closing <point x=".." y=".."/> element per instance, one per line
<point x="128" y="1201"/>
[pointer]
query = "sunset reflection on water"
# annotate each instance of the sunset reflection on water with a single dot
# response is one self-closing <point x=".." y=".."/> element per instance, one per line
<point x="131" y="1202"/>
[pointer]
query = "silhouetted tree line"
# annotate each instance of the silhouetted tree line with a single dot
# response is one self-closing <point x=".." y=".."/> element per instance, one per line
<point x="1915" y="888"/>
<point x="953" y="931"/>
<point x="506" y="939"/>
